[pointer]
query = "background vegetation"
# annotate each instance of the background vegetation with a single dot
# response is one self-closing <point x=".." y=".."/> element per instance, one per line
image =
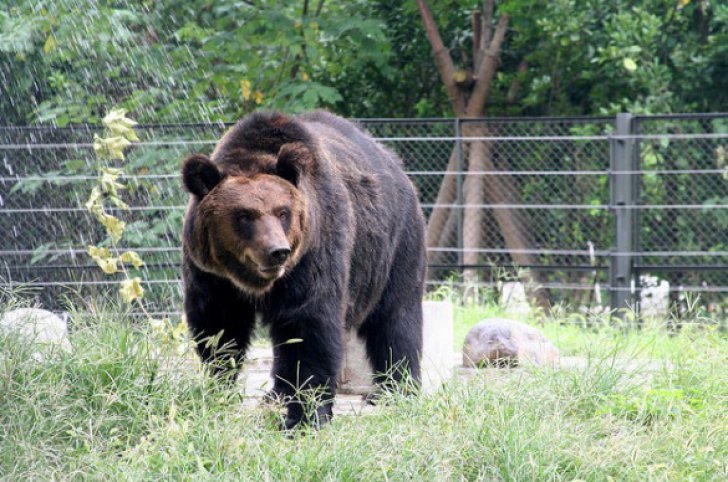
<point x="67" y="61"/>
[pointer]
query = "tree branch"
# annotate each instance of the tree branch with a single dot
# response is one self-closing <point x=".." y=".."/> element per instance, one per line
<point x="486" y="71"/>
<point x="516" y="82"/>
<point x="487" y="27"/>
<point x="476" y="24"/>
<point x="319" y="7"/>
<point x="443" y="61"/>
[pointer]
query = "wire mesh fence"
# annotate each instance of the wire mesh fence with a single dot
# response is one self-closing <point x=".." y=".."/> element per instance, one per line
<point x="586" y="213"/>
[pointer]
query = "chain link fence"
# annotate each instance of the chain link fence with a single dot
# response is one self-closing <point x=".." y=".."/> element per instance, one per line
<point x="587" y="211"/>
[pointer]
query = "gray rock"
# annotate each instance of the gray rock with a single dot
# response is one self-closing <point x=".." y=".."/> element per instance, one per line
<point x="41" y="327"/>
<point x="503" y="342"/>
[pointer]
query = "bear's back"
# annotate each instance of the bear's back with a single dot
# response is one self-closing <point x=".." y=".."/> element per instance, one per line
<point x="383" y="202"/>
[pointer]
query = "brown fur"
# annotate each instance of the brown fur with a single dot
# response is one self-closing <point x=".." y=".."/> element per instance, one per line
<point x="216" y="240"/>
<point x="356" y="260"/>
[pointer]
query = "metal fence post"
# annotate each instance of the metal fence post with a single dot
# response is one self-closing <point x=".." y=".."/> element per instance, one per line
<point x="622" y="199"/>
<point x="459" y="189"/>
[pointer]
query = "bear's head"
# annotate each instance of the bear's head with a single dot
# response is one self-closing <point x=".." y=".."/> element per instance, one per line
<point x="247" y="219"/>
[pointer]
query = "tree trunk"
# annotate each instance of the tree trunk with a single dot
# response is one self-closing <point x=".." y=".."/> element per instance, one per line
<point x="477" y="187"/>
<point x="445" y="196"/>
<point x="513" y="223"/>
<point x="474" y="198"/>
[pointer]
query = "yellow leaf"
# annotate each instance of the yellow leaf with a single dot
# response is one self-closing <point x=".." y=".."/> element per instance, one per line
<point x="111" y="173"/>
<point x="682" y="3"/>
<point x="108" y="265"/>
<point x="114" y="226"/>
<point x="179" y="332"/>
<point x="94" y="201"/>
<point x="133" y="258"/>
<point x="131" y="289"/>
<point x="115" y="116"/>
<point x="110" y="147"/>
<point x="118" y="202"/>
<point x="629" y="64"/>
<point x="304" y="76"/>
<point x="120" y="125"/>
<point x="97" y="252"/>
<point x="103" y="258"/>
<point x="108" y="183"/>
<point x="258" y="97"/>
<point x="50" y="44"/>
<point x="245" y="88"/>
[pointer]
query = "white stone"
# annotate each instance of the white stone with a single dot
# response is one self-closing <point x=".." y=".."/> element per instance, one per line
<point x="436" y="360"/>
<point x="514" y="299"/>
<point x="41" y="327"/>
<point x="506" y="342"/>
<point x="654" y="296"/>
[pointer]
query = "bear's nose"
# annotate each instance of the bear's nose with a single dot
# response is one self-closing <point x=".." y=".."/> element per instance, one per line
<point x="279" y="255"/>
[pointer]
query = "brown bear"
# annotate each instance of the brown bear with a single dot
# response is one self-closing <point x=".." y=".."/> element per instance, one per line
<point x="309" y="224"/>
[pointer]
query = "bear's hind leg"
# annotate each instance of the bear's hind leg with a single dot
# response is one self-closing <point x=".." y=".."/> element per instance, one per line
<point x="392" y="335"/>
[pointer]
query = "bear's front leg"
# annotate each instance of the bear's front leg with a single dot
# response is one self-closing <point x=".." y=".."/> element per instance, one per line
<point x="307" y="357"/>
<point x="221" y="320"/>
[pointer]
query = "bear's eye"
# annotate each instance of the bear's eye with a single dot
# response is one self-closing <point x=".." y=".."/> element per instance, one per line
<point x="245" y="216"/>
<point x="284" y="214"/>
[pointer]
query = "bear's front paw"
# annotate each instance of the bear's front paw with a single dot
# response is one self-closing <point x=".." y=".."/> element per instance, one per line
<point x="276" y="396"/>
<point x="315" y="418"/>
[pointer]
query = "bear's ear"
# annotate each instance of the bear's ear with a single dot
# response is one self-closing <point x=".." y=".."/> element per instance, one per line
<point x="200" y="175"/>
<point x="294" y="161"/>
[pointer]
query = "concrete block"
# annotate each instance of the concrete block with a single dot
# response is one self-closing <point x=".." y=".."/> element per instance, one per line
<point x="437" y="353"/>
<point x="438" y="340"/>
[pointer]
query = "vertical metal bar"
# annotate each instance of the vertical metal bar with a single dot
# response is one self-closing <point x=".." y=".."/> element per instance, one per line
<point x="459" y="210"/>
<point x="621" y="195"/>
<point x="636" y="165"/>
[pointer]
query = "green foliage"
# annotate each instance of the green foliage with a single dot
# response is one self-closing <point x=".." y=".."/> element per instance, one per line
<point x="115" y="409"/>
<point x="215" y="60"/>
<point x="606" y="57"/>
<point x="166" y="62"/>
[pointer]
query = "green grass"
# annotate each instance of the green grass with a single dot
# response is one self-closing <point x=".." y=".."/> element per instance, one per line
<point x="109" y="411"/>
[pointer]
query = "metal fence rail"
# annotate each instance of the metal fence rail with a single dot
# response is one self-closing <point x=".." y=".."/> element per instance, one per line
<point x="619" y="205"/>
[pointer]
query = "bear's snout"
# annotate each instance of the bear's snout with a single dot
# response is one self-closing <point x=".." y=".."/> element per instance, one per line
<point x="278" y="255"/>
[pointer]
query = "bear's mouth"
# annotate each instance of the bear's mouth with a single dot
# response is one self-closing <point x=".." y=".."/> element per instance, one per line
<point x="271" y="271"/>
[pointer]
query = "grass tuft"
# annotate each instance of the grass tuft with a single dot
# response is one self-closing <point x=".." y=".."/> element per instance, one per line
<point x="643" y="405"/>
